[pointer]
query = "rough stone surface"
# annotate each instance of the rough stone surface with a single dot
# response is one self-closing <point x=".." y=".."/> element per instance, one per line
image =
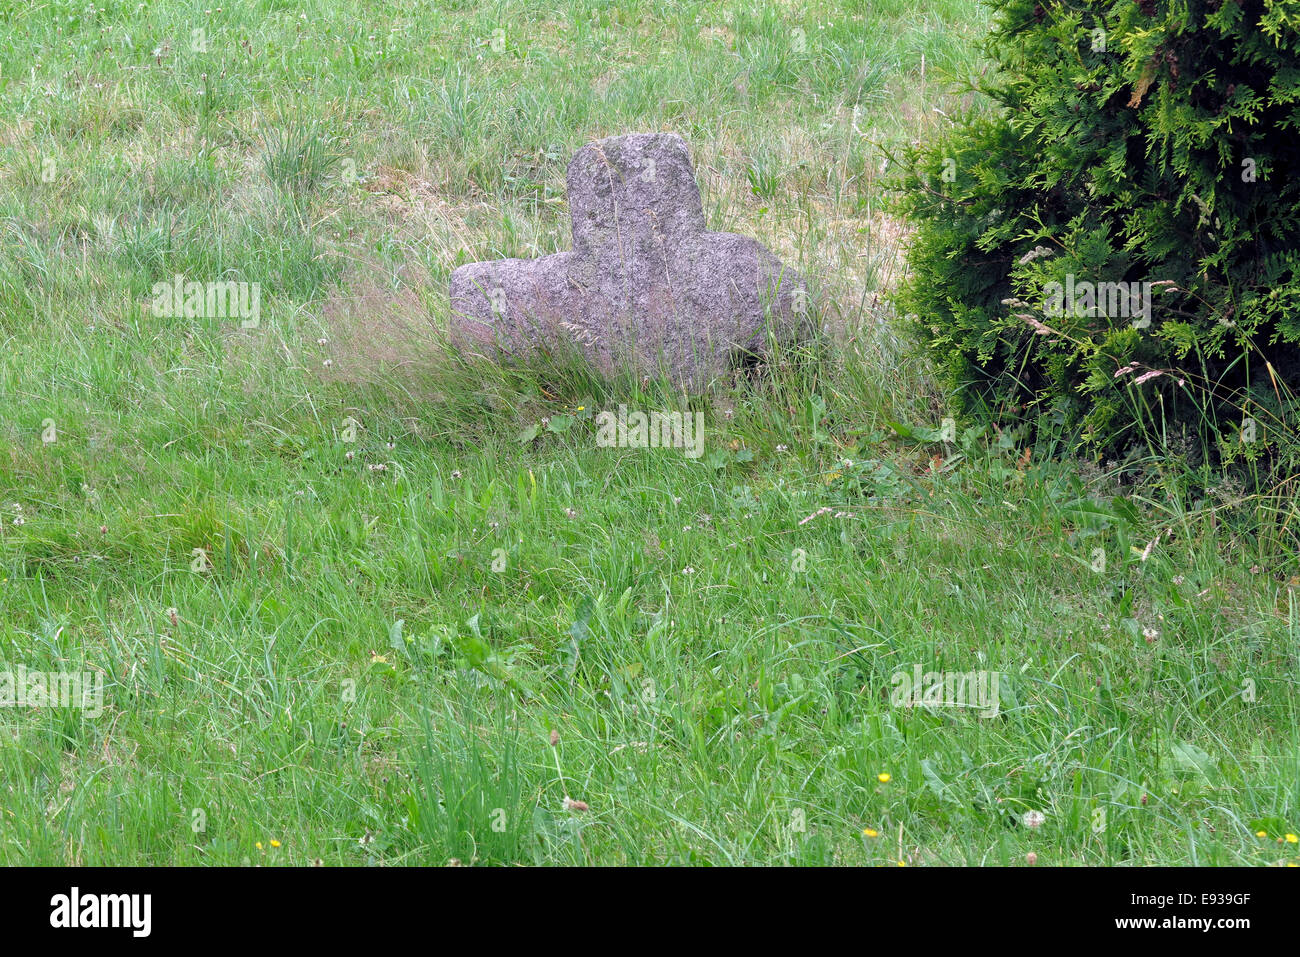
<point x="645" y="286"/>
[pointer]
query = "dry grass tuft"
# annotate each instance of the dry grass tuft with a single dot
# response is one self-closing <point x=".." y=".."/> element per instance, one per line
<point x="375" y="328"/>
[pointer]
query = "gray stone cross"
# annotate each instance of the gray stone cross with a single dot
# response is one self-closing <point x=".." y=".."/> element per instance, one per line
<point x="645" y="286"/>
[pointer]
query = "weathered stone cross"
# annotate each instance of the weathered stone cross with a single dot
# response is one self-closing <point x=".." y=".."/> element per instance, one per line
<point x="645" y="286"/>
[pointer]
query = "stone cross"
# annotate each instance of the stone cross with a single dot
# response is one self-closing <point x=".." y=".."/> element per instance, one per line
<point x="645" y="286"/>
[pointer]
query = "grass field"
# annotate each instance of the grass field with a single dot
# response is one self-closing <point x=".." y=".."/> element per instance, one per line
<point x="357" y="600"/>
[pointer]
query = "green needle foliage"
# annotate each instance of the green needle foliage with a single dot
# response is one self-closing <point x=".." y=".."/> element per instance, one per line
<point x="1145" y="148"/>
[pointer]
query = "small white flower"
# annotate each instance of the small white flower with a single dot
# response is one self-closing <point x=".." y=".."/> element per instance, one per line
<point x="783" y="448"/>
<point x="1034" y="818"/>
<point x="18" y="520"/>
<point x="455" y="473"/>
<point x="571" y="513"/>
<point x="328" y="363"/>
<point x="688" y="570"/>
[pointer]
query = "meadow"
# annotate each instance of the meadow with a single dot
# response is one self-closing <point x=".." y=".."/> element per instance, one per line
<point x="357" y="599"/>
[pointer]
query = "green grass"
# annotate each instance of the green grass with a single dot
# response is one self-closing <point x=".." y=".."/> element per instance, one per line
<point x="398" y="600"/>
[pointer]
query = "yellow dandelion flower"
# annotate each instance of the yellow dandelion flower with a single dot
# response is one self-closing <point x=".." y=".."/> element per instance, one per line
<point x="1261" y="833"/>
<point x="902" y="863"/>
<point x="1292" y="839"/>
<point x="883" y="778"/>
<point x="870" y="832"/>
<point x="258" y="845"/>
<point x="275" y="843"/>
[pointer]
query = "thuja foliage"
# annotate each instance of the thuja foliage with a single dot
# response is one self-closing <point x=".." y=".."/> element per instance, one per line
<point x="1113" y="250"/>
